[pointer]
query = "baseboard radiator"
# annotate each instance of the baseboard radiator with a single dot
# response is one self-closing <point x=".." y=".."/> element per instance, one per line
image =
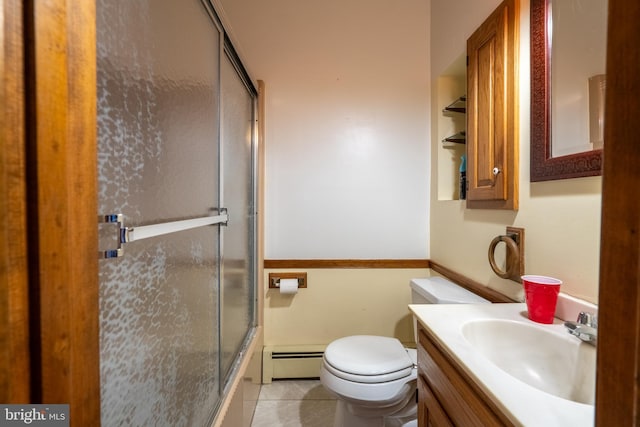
<point x="281" y="362"/>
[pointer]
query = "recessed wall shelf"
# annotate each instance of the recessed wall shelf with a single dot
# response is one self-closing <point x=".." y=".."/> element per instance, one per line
<point x="457" y="106"/>
<point x="458" y="138"/>
<point x="450" y="118"/>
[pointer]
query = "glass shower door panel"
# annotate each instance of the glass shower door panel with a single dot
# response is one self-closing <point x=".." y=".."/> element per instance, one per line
<point x="237" y="308"/>
<point x="158" y="96"/>
<point x="158" y="351"/>
<point x="158" y="67"/>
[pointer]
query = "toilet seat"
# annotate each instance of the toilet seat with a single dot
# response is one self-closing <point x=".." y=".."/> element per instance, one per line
<point x="370" y="395"/>
<point x="368" y="379"/>
<point x="368" y="359"/>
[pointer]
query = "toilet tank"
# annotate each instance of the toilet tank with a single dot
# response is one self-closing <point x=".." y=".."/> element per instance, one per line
<point x="438" y="290"/>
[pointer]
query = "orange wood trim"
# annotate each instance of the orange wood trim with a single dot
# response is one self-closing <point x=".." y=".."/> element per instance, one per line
<point x="63" y="137"/>
<point x="14" y="278"/>
<point x="346" y="263"/>
<point x="618" y="364"/>
<point x="465" y="282"/>
<point x="471" y="285"/>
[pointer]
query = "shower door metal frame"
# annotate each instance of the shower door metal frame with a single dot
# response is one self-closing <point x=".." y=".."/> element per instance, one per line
<point x="229" y="51"/>
<point x="227" y="48"/>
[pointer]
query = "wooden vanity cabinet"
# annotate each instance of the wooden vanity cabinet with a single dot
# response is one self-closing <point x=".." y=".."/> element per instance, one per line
<point x="492" y="113"/>
<point x="446" y="395"/>
<point x="430" y="413"/>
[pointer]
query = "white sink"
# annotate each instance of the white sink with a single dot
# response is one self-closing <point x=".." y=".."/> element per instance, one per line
<point x="537" y="375"/>
<point x="552" y="362"/>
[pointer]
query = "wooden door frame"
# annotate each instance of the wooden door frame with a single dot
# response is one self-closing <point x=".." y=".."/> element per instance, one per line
<point x="48" y="242"/>
<point x="15" y="376"/>
<point x="62" y="179"/>
<point x="617" y="395"/>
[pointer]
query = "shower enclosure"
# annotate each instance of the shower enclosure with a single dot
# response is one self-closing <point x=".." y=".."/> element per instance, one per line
<point x="176" y="167"/>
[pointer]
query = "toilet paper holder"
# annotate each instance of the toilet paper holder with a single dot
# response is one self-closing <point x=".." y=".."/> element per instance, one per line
<point x="274" y="279"/>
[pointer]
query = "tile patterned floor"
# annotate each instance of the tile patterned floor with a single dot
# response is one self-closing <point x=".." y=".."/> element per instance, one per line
<point x="294" y="403"/>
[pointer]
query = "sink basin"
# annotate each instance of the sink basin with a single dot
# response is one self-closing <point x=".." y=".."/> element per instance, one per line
<point x="549" y="360"/>
<point x="536" y="375"/>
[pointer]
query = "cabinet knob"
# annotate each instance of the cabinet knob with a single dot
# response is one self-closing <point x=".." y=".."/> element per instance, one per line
<point x="496" y="171"/>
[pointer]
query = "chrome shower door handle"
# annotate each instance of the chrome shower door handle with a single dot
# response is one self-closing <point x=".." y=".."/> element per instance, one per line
<point x="130" y="234"/>
<point x="117" y="219"/>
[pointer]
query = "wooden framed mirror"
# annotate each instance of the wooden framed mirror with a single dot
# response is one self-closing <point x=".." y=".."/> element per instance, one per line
<point x="544" y="165"/>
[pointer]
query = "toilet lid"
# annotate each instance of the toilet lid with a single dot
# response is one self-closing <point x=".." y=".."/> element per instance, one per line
<point x="368" y="356"/>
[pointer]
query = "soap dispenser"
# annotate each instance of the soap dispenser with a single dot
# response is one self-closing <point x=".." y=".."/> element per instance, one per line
<point x="463" y="177"/>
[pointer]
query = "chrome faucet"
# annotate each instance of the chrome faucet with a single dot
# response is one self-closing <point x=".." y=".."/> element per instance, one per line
<point x="585" y="327"/>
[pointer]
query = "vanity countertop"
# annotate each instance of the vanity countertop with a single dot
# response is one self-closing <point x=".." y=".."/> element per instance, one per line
<point x="523" y="404"/>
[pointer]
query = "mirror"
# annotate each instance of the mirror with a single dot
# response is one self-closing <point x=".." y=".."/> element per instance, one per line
<point x="557" y="103"/>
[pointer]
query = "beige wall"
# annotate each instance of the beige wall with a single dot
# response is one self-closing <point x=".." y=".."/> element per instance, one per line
<point x="561" y="218"/>
<point x="341" y="302"/>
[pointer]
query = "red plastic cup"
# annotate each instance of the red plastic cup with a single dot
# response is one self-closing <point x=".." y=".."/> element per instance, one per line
<point x="541" y="295"/>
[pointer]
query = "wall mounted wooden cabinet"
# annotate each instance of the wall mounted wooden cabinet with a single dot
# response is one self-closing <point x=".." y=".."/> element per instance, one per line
<point x="492" y="111"/>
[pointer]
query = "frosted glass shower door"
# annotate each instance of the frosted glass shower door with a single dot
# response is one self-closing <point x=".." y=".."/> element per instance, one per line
<point x="158" y="159"/>
<point x="238" y="195"/>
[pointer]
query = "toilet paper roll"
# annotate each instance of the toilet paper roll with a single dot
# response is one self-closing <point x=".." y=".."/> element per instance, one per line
<point x="288" y="286"/>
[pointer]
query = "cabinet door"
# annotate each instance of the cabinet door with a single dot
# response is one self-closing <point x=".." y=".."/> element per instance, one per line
<point x="492" y="145"/>
<point x="430" y="412"/>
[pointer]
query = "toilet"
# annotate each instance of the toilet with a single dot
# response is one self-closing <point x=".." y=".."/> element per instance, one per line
<point x="375" y="378"/>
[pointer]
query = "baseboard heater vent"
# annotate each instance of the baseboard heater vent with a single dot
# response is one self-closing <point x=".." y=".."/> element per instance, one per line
<point x="280" y="362"/>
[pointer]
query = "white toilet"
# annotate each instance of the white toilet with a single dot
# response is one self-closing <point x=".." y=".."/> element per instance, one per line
<point x="374" y="377"/>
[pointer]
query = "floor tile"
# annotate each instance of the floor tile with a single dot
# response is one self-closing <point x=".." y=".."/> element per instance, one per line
<point x="294" y="413"/>
<point x="295" y="403"/>
<point x="294" y="390"/>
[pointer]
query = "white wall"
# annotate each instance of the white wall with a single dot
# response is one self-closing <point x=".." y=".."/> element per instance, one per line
<point x="347" y="127"/>
<point x="561" y="218"/>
